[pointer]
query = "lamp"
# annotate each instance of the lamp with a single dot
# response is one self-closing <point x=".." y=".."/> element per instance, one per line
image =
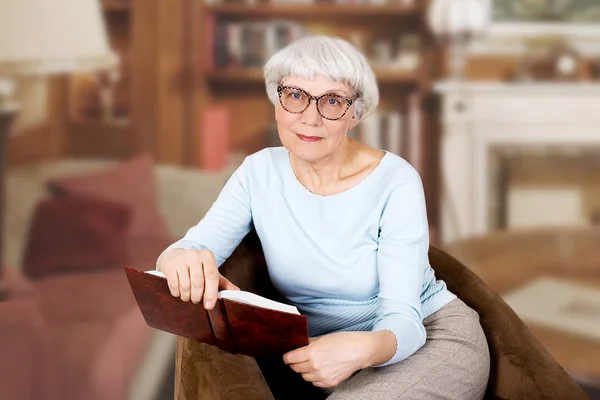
<point x="457" y="22"/>
<point x="45" y="37"/>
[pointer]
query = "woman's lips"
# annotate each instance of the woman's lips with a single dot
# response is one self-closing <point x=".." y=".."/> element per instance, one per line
<point x="309" y="138"/>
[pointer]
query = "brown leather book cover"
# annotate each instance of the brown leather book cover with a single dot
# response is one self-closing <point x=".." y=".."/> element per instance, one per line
<point x="233" y="326"/>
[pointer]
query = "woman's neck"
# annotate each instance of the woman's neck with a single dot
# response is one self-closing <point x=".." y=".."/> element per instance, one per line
<point x="330" y="175"/>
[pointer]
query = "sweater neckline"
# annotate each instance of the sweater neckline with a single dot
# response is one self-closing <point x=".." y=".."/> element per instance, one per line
<point x="304" y="190"/>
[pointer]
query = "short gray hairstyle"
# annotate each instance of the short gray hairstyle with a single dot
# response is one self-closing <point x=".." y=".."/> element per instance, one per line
<point x="331" y="57"/>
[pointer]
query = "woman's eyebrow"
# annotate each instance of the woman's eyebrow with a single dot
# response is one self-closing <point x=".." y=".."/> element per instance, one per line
<point x="339" y="91"/>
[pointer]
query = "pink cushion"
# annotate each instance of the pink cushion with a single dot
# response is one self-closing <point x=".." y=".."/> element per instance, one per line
<point x="76" y="233"/>
<point x="131" y="183"/>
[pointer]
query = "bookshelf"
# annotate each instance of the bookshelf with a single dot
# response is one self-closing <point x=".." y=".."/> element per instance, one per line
<point x="226" y="85"/>
<point x="240" y="88"/>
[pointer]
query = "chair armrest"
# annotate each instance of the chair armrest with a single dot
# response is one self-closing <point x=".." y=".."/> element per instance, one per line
<point x="204" y="372"/>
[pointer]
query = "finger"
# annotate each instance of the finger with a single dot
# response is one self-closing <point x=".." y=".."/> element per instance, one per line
<point x="173" y="281"/>
<point x="302" y="368"/>
<point x="225" y="284"/>
<point x="184" y="282"/>
<point x="211" y="283"/>
<point x="296" y="356"/>
<point x="311" y="377"/>
<point x="196" y="283"/>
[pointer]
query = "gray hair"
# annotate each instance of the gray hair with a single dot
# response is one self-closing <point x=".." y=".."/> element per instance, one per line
<point x="331" y="57"/>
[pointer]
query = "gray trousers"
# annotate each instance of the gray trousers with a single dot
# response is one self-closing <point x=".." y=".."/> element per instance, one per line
<point x="453" y="364"/>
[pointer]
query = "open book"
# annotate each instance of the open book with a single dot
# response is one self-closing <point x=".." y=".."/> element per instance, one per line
<point x="246" y="297"/>
<point x="241" y="322"/>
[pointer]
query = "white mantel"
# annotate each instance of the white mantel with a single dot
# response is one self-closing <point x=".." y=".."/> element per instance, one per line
<point x="478" y="118"/>
<point x="483" y="87"/>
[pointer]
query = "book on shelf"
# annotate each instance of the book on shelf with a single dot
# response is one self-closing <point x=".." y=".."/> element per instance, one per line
<point x="246" y="44"/>
<point x="213" y="141"/>
<point x="240" y="323"/>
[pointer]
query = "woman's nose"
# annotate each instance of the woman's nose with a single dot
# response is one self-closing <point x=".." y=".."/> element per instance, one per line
<point x="311" y="115"/>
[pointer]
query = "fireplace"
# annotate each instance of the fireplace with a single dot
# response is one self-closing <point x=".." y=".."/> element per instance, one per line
<point x="493" y="133"/>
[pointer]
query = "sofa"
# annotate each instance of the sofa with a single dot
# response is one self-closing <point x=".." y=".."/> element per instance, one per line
<point x="521" y="368"/>
<point x="77" y="333"/>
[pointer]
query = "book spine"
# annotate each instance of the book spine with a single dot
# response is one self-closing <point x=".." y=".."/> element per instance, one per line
<point x="213" y="141"/>
<point x="220" y="326"/>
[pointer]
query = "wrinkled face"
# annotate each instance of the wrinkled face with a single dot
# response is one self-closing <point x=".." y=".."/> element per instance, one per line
<point x="306" y="131"/>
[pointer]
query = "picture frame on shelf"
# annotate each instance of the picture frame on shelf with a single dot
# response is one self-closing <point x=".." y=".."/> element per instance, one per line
<point x="516" y="21"/>
<point x="547" y="11"/>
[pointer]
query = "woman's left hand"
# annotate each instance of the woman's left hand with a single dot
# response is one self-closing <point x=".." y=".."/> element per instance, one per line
<point x="328" y="360"/>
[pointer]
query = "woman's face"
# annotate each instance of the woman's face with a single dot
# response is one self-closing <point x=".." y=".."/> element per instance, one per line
<point x="308" y="135"/>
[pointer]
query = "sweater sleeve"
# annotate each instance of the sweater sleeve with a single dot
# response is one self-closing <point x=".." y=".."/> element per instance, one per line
<point x="227" y="221"/>
<point x="402" y="258"/>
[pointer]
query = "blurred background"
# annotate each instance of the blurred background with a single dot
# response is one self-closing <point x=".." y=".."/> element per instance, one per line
<point x="120" y="121"/>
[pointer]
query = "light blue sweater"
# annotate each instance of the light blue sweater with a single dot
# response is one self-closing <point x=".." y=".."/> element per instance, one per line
<point x="353" y="261"/>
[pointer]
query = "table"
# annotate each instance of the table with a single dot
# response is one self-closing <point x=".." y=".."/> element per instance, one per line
<point x="506" y="260"/>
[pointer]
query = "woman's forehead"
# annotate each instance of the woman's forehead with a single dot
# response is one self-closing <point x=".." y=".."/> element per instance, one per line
<point x="318" y="85"/>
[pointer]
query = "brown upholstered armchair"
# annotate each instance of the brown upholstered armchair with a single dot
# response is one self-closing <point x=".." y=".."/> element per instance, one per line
<point x="521" y="368"/>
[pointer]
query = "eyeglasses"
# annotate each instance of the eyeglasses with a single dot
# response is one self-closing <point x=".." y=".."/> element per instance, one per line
<point x="330" y="106"/>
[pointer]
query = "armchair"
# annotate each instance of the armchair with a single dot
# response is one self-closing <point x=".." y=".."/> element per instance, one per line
<point x="521" y="368"/>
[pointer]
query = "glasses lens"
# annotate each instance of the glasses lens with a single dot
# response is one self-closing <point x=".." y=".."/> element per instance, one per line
<point x="294" y="100"/>
<point x="332" y="107"/>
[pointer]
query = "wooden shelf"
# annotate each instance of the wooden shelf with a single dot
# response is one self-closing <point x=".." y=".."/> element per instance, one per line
<point x="255" y="76"/>
<point x="116" y="5"/>
<point x="314" y="11"/>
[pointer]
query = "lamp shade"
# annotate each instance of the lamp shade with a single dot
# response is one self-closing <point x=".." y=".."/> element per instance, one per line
<point x="458" y="17"/>
<point x="40" y="37"/>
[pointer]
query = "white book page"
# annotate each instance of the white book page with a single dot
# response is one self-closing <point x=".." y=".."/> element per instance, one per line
<point x="256" y="300"/>
<point x="155" y="272"/>
<point x="246" y="297"/>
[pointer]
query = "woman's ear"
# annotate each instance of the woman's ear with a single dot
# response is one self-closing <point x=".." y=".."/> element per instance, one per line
<point x="353" y="122"/>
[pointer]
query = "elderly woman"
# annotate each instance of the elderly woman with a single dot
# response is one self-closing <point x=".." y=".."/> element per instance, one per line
<point x="345" y="237"/>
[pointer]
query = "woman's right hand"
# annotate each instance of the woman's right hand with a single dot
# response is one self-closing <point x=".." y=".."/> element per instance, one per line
<point x="193" y="275"/>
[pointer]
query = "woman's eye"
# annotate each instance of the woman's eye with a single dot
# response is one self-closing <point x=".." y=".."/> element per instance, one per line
<point x="297" y="96"/>
<point x="332" y="101"/>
